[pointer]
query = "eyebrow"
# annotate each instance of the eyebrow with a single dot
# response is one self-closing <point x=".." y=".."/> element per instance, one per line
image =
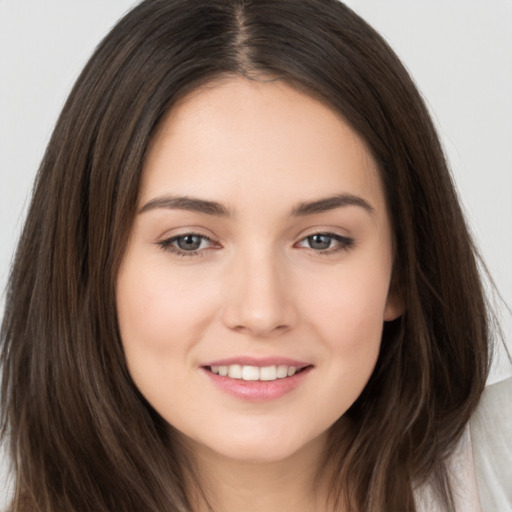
<point x="219" y="210"/>
<point x="187" y="203"/>
<point x="331" y="203"/>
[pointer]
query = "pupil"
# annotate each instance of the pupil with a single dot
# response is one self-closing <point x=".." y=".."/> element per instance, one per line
<point x="189" y="242"/>
<point x="320" y="242"/>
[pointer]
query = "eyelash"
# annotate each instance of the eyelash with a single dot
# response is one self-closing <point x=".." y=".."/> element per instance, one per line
<point x="343" y="244"/>
<point x="168" y="245"/>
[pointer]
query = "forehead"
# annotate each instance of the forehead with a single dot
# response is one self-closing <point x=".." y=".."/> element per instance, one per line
<point x="238" y="138"/>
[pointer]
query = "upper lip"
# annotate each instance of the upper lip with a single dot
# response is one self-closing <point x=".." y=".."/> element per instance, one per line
<point x="258" y="361"/>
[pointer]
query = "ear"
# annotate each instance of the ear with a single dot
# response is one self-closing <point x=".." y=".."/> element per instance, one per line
<point x="395" y="303"/>
<point x="395" y="307"/>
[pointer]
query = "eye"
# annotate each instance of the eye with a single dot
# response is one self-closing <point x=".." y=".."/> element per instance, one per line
<point x="326" y="242"/>
<point x="188" y="244"/>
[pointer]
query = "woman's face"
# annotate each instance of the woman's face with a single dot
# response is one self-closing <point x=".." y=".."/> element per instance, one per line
<point x="262" y="247"/>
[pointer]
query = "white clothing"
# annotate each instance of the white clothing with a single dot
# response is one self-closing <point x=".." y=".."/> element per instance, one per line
<point x="481" y="467"/>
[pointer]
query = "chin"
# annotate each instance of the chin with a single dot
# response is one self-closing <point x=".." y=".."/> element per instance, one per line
<point x="258" y="454"/>
<point x="253" y="446"/>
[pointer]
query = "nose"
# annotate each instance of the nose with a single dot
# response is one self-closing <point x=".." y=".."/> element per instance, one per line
<point x="260" y="298"/>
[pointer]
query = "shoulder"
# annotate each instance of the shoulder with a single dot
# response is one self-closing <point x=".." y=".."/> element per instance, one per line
<point x="461" y="474"/>
<point x="491" y="441"/>
<point x="480" y="467"/>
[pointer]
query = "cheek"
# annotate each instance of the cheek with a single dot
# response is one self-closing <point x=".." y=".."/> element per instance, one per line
<point x="352" y="335"/>
<point x="351" y="341"/>
<point x="349" y="306"/>
<point x="161" y="319"/>
<point x="153" y="304"/>
<point x="347" y="315"/>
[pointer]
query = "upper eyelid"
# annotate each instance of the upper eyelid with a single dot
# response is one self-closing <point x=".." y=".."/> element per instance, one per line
<point x="305" y="234"/>
<point x="177" y="237"/>
<point x="167" y="239"/>
<point x="332" y="232"/>
<point x="174" y="233"/>
<point x="167" y="245"/>
<point x="335" y="236"/>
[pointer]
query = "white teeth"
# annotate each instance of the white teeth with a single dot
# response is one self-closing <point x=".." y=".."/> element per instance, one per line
<point x="235" y="371"/>
<point x="282" y="371"/>
<point x="250" y="373"/>
<point x="265" y="373"/>
<point x="268" y="373"/>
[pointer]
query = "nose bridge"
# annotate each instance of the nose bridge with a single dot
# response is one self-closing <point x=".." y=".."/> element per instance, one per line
<point x="259" y="298"/>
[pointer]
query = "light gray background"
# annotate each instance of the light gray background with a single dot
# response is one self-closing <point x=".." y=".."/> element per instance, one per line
<point x="458" y="51"/>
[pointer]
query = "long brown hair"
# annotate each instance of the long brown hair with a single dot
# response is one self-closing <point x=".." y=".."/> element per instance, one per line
<point x="81" y="437"/>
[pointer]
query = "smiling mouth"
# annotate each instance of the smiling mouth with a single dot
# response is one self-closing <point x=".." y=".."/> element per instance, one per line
<point x="256" y="373"/>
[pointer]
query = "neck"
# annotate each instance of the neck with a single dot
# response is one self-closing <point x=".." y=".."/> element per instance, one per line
<point x="295" y="483"/>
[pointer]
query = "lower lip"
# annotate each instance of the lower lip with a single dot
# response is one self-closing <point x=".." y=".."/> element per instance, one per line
<point x="257" y="390"/>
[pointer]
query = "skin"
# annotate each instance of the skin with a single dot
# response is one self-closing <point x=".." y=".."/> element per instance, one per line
<point x="259" y="288"/>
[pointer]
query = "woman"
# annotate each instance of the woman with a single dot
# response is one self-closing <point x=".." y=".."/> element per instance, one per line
<point x="233" y="289"/>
